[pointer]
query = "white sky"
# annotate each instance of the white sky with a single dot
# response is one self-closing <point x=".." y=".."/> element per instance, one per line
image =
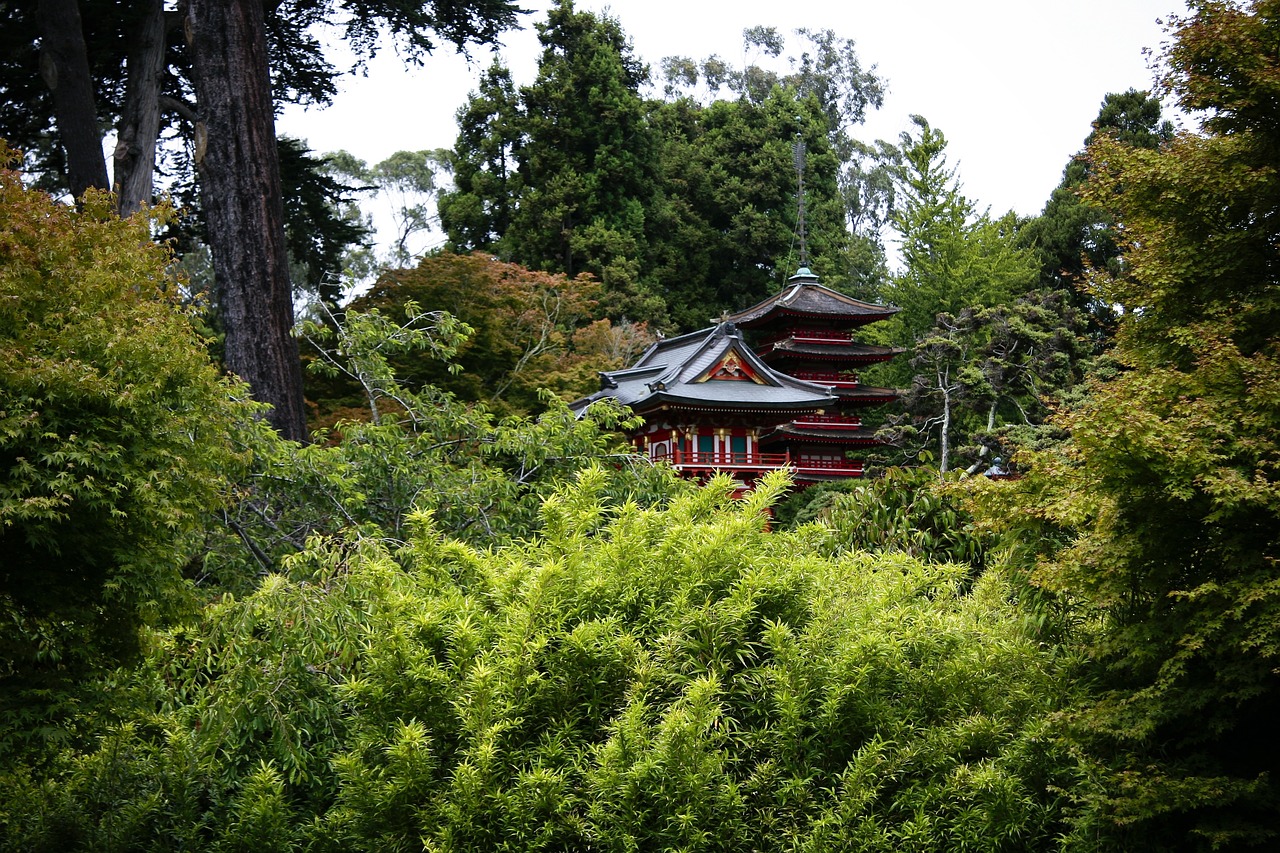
<point x="1013" y="84"/>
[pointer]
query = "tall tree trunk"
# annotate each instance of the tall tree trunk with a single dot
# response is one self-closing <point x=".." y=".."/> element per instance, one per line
<point x="64" y="65"/>
<point x="944" y="440"/>
<point x="239" y="170"/>
<point x="135" y="154"/>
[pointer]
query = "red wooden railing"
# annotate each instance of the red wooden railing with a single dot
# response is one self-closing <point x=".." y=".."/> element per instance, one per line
<point x="826" y="377"/>
<point x="837" y="421"/>
<point x="800" y="334"/>
<point x="803" y="465"/>
<point x="685" y="460"/>
<point x="688" y="459"/>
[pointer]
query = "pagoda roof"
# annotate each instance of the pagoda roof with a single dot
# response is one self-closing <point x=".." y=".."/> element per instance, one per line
<point x="867" y="394"/>
<point x="789" y="347"/>
<point x="709" y="369"/>
<point x="803" y="296"/>
<point x="791" y="431"/>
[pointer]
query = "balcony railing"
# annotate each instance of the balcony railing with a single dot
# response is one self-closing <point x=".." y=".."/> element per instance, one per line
<point x="726" y="459"/>
<point x="688" y="461"/>
<point x="848" y="466"/>
<point x="827" y="377"/>
<point x="832" y="421"/>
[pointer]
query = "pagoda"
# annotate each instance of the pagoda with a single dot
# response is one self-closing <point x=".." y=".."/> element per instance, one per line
<point x="809" y="331"/>
<point x="773" y="386"/>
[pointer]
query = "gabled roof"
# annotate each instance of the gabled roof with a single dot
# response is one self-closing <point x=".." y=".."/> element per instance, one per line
<point x="805" y="297"/>
<point x="687" y="372"/>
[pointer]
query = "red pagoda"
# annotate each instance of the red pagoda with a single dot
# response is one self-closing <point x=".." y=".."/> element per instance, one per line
<point x="809" y="331"/>
<point x="773" y="386"/>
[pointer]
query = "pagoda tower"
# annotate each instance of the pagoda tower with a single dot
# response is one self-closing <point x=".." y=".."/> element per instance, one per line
<point x="773" y="386"/>
<point x="809" y="331"/>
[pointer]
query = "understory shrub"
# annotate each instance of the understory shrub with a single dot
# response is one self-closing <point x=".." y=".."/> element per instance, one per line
<point x="632" y="679"/>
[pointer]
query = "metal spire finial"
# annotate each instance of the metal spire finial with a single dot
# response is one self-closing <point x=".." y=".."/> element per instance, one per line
<point x="799" y="152"/>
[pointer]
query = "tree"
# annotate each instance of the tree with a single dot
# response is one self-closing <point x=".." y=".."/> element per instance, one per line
<point x="243" y="202"/>
<point x="828" y="69"/>
<point x="322" y="221"/>
<point x="478" y="211"/>
<point x="1160" y="517"/>
<point x="953" y="257"/>
<point x="987" y="379"/>
<point x="232" y="73"/>
<point x="723" y="236"/>
<point x="685" y="208"/>
<point x="529" y="330"/>
<point x="64" y="64"/>
<point x="116" y="438"/>
<point x="584" y="159"/>
<point x="1072" y="235"/>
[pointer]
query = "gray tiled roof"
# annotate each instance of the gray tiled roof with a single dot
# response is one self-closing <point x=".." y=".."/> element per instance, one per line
<point x="669" y="371"/>
<point x="830" y="349"/>
<point x="804" y="296"/>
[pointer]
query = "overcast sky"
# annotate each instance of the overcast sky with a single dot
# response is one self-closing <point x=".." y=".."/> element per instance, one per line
<point x="1013" y="84"/>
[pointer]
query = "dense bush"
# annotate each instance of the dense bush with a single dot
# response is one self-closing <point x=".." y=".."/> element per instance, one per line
<point x="909" y="510"/>
<point x="115" y="442"/>
<point x="635" y="678"/>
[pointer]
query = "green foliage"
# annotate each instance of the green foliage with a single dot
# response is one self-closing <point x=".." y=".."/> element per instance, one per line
<point x="683" y="208"/>
<point x="635" y="678"/>
<point x="907" y="510"/>
<point x="954" y="258"/>
<point x="115" y="440"/>
<point x="527" y="330"/>
<point x="412" y="449"/>
<point x="987" y="379"/>
<point x="1159" y="520"/>
<point x="319" y="224"/>
<point x="560" y="177"/>
<point x="723" y="237"/>
<point x="1071" y="233"/>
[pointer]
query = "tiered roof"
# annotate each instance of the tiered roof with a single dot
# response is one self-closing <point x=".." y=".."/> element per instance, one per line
<point x="805" y="297"/>
<point x="708" y="370"/>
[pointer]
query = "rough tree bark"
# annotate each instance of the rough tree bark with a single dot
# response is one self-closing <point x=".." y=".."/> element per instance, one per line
<point x="135" y="152"/>
<point x="239" y="172"/>
<point x="64" y="65"/>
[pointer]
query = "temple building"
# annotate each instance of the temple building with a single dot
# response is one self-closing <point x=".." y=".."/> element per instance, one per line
<point x="772" y="386"/>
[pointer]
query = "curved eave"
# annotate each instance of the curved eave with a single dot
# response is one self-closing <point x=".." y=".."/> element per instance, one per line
<point x="804" y="296"/>
<point x="867" y="394"/>
<point x="832" y="355"/>
<point x="846" y="438"/>
<point x="666" y="402"/>
<point x="844" y="319"/>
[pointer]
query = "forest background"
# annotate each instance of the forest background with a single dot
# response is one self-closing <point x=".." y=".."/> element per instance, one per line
<point x="444" y="623"/>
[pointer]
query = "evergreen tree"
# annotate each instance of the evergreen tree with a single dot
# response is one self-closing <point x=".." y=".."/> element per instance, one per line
<point x="954" y="257"/>
<point x="477" y="213"/>
<point x="684" y="207"/>
<point x="585" y="162"/>
<point x="1161" y="518"/>
<point x="1072" y="235"/>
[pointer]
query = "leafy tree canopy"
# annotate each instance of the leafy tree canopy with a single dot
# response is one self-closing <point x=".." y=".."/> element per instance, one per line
<point x="1072" y="234"/>
<point x="115" y="439"/>
<point x="684" y="207"/>
<point x="1160" y="518"/>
